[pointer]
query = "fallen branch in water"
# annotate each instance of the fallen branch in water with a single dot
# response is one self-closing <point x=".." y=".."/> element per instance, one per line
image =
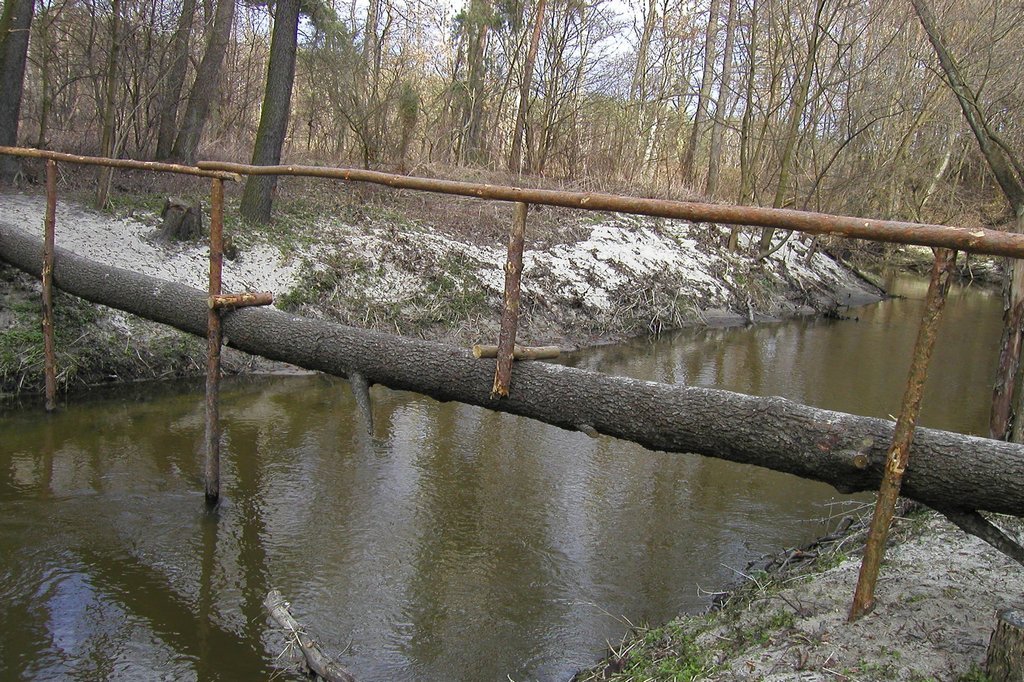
<point x="318" y="661"/>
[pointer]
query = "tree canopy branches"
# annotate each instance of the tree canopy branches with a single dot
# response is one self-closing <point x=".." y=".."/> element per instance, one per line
<point x="818" y="103"/>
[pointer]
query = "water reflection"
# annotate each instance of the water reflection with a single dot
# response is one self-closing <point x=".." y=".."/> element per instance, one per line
<point x="453" y="543"/>
<point x="857" y="365"/>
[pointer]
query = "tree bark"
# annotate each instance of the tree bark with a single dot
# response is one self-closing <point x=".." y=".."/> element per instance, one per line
<point x="746" y="125"/>
<point x="257" y="199"/>
<point x="947" y="470"/>
<point x="641" y="134"/>
<point x="1004" y="661"/>
<point x="318" y="661"/>
<point x="14" y="32"/>
<point x="205" y="87"/>
<point x="176" y="71"/>
<point x="44" y="25"/>
<point x="701" y="115"/>
<point x="478" y="24"/>
<point x="796" y="113"/>
<point x="106" y="173"/>
<point x="515" y="157"/>
<point x="722" y="105"/>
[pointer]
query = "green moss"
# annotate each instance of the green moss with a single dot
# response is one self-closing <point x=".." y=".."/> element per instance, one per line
<point x="339" y="284"/>
<point x="975" y="674"/>
<point x="21" y="344"/>
<point x="140" y="205"/>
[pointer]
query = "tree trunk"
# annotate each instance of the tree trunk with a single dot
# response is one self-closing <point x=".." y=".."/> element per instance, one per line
<point x="643" y="128"/>
<point x="1008" y="376"/>
<point x="1004" y="661"/>
<point x="257" y="198"/>
<point x="176" y="70"/>
<point x="44" y="25"/>
<point x="106" y="173"/>
<point x="746" y="126"/>
<point x="205" y="86"/>
<point x="701" y="115"/>
<point x="476" y="50"/>
<point x="14" y="31"/>
<point x="792" y="134"/>
<point x="318" y="661"/>
<point x="946" y="470"/>
<point x="722" y="106"/>
<point x="515" y="157"/>
<point x="372" y="120"/>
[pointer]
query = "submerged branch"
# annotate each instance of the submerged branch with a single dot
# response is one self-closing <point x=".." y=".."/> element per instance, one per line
<point x="318" y="661"/>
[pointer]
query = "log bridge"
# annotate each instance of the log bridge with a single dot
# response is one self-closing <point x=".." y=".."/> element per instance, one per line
<point x="958" y="475"/>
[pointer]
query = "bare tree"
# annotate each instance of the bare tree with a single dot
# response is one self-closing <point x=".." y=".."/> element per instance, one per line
<point x="14" y="34"/>
<point x="106" y="173"/>
<point x="515" y="155"/>
<point x="477" y="24"/>
<point x="704" y="94"/>
<point x="722" y="104"/>
<point x="835" y="104"/>
<point x="176" y="70"/>
<point x="796" y="112"/>
<point x="200" y="99"/>
<point x="257" y="198"/>
<point x="1007" y="169"/>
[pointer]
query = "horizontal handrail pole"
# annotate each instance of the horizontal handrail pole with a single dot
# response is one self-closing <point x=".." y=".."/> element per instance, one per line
<point x="976" y="240"/>
<point x="118" y="163"/>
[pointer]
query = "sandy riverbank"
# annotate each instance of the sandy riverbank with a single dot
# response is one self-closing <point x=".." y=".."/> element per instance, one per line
<point x="937" y="598"/>
<point x="604" y="278"/>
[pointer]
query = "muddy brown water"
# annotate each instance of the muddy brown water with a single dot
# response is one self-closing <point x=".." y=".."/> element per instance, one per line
<point x="455" y="544"/>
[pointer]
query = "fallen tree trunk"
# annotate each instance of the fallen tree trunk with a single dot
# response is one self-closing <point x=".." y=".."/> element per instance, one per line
<point x="947" y="470"/>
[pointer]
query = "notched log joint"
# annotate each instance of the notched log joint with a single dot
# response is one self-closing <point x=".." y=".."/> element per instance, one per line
<point x="229" y="301"/>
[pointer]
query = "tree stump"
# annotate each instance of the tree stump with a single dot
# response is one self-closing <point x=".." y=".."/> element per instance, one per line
<point x="1004" y="661"/>
<point x="229" y="249"/>
<point x="182" y="221"/>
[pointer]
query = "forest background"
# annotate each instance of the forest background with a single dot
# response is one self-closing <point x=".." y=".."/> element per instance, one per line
<point x="829" y="105"/>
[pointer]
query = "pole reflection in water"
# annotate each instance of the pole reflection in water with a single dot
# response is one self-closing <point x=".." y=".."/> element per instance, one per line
<point x="454" y="543"/>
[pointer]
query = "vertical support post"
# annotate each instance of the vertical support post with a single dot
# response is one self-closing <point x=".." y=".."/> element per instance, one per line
<point x="903" y="435"/>
<point x="49" y="354"/>
<point x="213" y="338"/>
<point x="510" y="310"/>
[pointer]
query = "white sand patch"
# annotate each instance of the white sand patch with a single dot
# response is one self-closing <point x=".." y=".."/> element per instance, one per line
<point x="629" y="275"/>
<point x="129" y="244"/>
<point x="621" y="255"/>
<point x="618" y="253"/>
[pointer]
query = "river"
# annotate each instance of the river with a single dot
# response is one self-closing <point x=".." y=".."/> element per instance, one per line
<point x="453" y="544"/>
